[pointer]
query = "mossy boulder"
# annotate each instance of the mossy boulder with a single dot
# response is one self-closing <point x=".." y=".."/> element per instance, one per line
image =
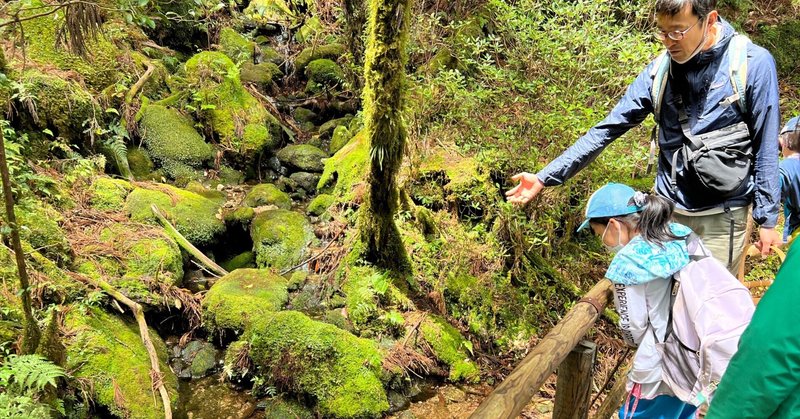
<point x="450" y="348"/>
<point x="61" y="106"/>
<point x="242" y="260"/>
<point x="108" y="353"/>
<point x="39" y="226"/>
<point x="267" y="194"/>
<point x="342" y="372"/>
<point x="194" y="216"/>
<point x="302" y="157"/>
<point x="280" y="408"/>
<point x="306" y="56"/>
<point x="235" y="46"/>
<point x="320" y="204"/>
<point x="109" y="194"/>
<point x="324" y="72"/>
<point x="140" y="163"/>
<point x="240" y="120"/>
<point x="280" y="238"/>
<point x="270" y="55"/>
<point x="263" y="73"/>
<point x="240" y="216"/>
<point x="346" y="169"/>
<point x="172" y="140"/>
<point x="306" y="181"/>
<point x="241" y="297"/>
<point x="341" y="136"/>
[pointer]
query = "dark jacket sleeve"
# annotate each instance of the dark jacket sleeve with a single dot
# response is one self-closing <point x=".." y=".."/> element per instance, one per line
<point x="764" y="374"/>
<point x="630" y="111"/>
<point x="762" y="91"/>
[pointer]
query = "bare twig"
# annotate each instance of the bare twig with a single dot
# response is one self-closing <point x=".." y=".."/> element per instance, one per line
<point x="185" y="243"/>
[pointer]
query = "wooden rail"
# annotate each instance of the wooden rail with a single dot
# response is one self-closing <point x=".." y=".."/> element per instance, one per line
<point x="509" y="398"/>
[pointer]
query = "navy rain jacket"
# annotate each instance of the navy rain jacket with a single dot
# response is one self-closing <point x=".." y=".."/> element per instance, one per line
<point x="704" y="83"/>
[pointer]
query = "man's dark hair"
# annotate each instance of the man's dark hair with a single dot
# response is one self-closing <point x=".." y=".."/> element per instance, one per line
<point x="791" y="140"/>
<point x="672" y="7"/>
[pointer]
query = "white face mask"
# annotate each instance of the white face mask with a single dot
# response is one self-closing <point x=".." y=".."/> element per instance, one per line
<point x="615" y="248"/>
<point x="699" y="46"/>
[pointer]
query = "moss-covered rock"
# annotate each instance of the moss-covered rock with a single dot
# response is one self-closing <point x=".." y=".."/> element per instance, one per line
<point x="242" y="260"/>
<point x="342" y="372"/>
<point x="39" y="226"/>
<point x="347" y="168"/>
<point x="172" y="140"/>
<point x="341" y="136"/>
<point x="306" y="181"/>
<point x="140" y="163"/>
<point x="214" y="195"/>
<point x="194" y="216"/>
<point x="264" y="73"/>
<point x="280" y="408"/>
<point x="235" y="46"/>
<point x="326" y="129"/>
<point x="241" y="297"/>
<point x="324" y="72"/>
<point x="267" y="194"/>
<point x="450" y="347"/>
<point x="109" y="194"/>
<point x="303" y="157"/>
<point x="240" y="120"/>
<point x="320" y="204"/>
<point x="306" y="56"/>
<point x="270" y="55"/>
<point x="108" y="352"/>
<point x="240" y="216"/>
<point x="280" y="238"/>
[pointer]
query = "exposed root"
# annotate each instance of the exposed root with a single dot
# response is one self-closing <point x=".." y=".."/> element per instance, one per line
<point x="408" y="360"/>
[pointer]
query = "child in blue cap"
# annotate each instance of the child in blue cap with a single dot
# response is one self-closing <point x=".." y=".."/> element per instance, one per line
<point x="790" y="176"/>
<point x="648" y="249"/>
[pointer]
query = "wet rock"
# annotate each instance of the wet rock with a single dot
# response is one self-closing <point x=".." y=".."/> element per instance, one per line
<point x="397" y="401"/>
<point x="303" y="157"/>
<point x="453" y="394"/>
<point x="307" y="181"/>
<point x="274" y="164"/>
<point x="201" y="357"/>
<point x="209" y="398"/>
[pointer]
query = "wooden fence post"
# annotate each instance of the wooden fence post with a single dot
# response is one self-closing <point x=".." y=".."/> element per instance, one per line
<point x="574" y="384"/>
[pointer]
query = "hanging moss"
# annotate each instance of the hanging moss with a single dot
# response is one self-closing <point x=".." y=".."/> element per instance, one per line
<point x="242" y="296"/>
<point x="280" y="238"/>
<point x="267" y="194"/>
<point x="108" y="352"/>
<point x="172" y="140"/>
<point x="342" y="372"/>
<point x="194" y="216"/>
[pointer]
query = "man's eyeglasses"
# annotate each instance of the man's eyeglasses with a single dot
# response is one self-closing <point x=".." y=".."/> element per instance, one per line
<point x="674" y="35"/>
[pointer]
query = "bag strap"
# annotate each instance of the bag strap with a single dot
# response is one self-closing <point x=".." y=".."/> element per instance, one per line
<point x="659" y="73"/>
<point x="737" y="70"/>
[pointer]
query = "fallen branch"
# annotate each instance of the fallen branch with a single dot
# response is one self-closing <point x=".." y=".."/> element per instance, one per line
<point x="182" y="242"/>
<point x="138" y="313"/>
<point x="142" y="80"/>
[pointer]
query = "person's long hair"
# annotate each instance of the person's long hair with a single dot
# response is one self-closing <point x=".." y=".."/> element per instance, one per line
<point x="652" y="221"/>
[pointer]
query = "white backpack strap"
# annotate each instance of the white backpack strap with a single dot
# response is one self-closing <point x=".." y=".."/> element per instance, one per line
<point x="660" y="72"/>
<point x="737" y="70"/>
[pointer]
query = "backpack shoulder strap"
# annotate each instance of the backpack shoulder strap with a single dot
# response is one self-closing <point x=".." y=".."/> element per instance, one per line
<point x="659" y="72"/>
<point x="737" y="69"/>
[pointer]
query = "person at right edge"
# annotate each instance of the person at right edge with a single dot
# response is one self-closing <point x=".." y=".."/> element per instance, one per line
<point x="699" y="98"/>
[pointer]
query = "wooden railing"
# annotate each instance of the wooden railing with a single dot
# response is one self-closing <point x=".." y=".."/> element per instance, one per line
<point x="572" y="391"/>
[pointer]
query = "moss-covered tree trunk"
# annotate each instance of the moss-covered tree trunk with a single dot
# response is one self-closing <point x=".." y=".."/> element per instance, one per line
<point x="355" y="18"/>
<point x="30" y="340"/>
<point x="384" y="92"/>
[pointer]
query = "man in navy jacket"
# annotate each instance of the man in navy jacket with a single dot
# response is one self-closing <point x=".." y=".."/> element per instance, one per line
<point x="697" y="40"/>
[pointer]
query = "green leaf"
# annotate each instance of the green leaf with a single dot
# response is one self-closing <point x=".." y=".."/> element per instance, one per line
<point x="143" y="3"/>
<point x="150" y="23"/>
<point x="128" y="18"/>
<point x="112" y="110"/>
<point x="48" y="132"/>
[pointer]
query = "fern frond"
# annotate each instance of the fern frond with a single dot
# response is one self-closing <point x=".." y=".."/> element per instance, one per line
<point x="29" y="372"/>
<point x="115" y="148"/>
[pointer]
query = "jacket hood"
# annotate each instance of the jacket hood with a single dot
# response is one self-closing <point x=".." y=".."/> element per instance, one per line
<point x="704" y="57"/>
<point x="640" y="261"/>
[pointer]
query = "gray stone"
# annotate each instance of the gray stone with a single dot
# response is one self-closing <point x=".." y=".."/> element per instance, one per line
<point x="307" y="181"/>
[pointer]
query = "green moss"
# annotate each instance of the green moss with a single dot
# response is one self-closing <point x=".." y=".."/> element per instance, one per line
<point x="304" y="157"/>
<point x="194" y="216"/>
<point x="341" y="136"/>
<point x="270" y="12"/>
<point x="305" y="117"/>
<point x="264" y="73"/>
<point x="214" y="195"/>
<point x="140" y="163"/>
<point x="39" y="226"/>
<point x="324" y="72"/>
<point x="241" y="297"/>
<point x="230" y="176"/>
<point x="242" y="216"/>
<point x="280" y="408"/>
<point x="171" y="139"/>
<point x="235" y="46"/>
<point x="157" y="258"/>
<point x="280" y="238"/>
<point x="268" y="54"/>
<point x="320" y="204"/>
<point x="267" y="194"/>
<point x="108" y="353"/>
<point x="109" y="194"/>
<point x="99" y="71"/>
<point x="347" y="168"/>
<point x="338" y="369"/>
<point x="450" y="347"/>
<point x="306" y="56"/>
<point x="215" y="80"/>
<point x="242" y="260"/>
<point x="62" y="106"/>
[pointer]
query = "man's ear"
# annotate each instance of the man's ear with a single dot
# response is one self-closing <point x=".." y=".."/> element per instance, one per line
<point x="713" y="17"/>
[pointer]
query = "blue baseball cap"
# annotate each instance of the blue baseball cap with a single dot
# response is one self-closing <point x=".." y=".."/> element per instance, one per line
<point x="791" y="126"/>
<point x="609" y="201"/>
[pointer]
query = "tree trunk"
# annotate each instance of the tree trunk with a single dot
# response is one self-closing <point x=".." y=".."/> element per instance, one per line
<point x="30" y="338"/>
<point x="384" y="99"/>
<point x="355" y="19"/>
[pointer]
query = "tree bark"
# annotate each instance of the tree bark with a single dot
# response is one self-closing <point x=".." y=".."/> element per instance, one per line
<point x="384" y="100"/>
<point x="30" y="339"/>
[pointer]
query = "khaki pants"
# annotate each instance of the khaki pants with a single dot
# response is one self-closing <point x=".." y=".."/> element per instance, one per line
<point x="715" y="230"/>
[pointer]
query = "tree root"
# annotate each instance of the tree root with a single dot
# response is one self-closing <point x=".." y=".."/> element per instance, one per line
<point x="182" y="242"/>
